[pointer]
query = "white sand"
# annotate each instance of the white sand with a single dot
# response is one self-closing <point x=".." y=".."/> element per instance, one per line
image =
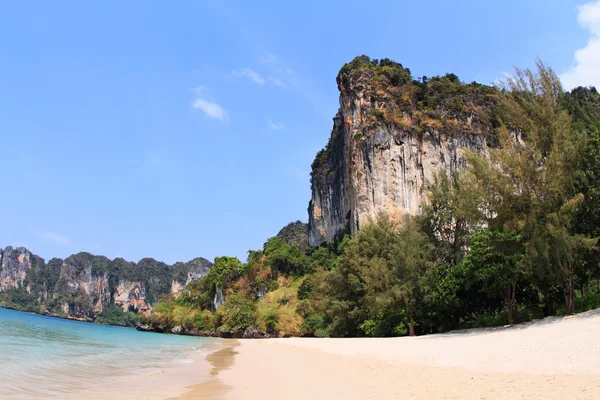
<point x="552" y="359"/>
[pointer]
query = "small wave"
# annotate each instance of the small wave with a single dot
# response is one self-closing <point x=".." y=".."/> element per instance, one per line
<point x="154" y="373"/>
<point x="186" y="361"/>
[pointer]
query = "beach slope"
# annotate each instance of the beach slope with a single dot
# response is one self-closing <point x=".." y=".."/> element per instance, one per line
<point x="549" y="359"/>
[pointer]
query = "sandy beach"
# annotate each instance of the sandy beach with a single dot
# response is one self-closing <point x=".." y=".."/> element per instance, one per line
<point x="549" y="359"/>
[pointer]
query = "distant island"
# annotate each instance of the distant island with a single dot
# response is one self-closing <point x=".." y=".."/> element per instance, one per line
<point x="436" y="205"/>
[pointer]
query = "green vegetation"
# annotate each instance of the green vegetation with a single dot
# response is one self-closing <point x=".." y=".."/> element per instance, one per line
<point x="443" y="103"/>
<point x="114" y="315"/>
<point x="510" y="239"/>
<point x="236" y="314"/>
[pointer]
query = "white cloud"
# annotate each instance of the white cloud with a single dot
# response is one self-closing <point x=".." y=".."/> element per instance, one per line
<point x="250" y="74"/>
<point x="277" y="82"/>
<point x="586" y="70"/>
<point x="53" y="237"/>
<point x="209" y="108"/>
<point x="274" y="126"/>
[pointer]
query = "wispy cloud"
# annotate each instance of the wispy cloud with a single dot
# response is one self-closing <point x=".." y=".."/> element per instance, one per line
<point x="282" y="75"/>
<point x="250" y="74"/>
<point x="586" y="69"/>
<point x="210" y="108"/>
<point x="52" y="237"/>
<point x="274" y="126"/>
<point x="277" y="82"/>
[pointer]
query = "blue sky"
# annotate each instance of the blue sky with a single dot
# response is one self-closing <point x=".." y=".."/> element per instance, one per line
<point x="182" y="129"/>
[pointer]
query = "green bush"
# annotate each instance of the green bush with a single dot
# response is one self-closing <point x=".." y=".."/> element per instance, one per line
<point x="272" y="321"/>
<point x="590" y="301"/>
<point x="313" y="325"/>
<point x="286" y="259"/>
<point x="500" y="318"/>
<point x="236" y="314"/>
<point x="204" y="320"/>
<point x="306" y="289"/>
<point x="114" y="315"/>
<point x="305" y="308"/>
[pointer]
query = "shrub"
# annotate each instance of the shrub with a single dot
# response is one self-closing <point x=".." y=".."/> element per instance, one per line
<point x="286" y="259"/>
<point x="114" y="315"/>
<point x="272" y="320"/>
<point x="236" y="314"/>
<point x="306" y="289"/>
<point x="312" y="325"/>
<point x="184" y="316"/>
<point x="589" y="301"/>
<point x="204" y="320"/>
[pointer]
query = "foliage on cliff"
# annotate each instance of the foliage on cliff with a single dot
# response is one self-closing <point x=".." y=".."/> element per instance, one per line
<point x="442" y="103"/>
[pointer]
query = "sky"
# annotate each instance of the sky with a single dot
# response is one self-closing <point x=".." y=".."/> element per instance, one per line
<point x="186" y="129"/>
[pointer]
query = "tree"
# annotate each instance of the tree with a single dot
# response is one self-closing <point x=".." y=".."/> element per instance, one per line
<point x="529" y="184"/>
<point x="451" y="213"/>
<point x="493" y="265"/>
<point x="284" y="258"/>
<point x="412" y="258"/>
<point x="236" y="314"/>
<point x="379" y="278"/>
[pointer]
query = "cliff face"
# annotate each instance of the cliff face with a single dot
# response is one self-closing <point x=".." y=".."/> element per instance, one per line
<point x="84" y="285"/>
<point x="14" y="265"/>
<point x="390" y="136"/>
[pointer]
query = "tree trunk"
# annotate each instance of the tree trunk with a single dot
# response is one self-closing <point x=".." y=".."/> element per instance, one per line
<point x="411" y="328"/>
<point x="571" y="305"/>
<point x="507" y="298"/>
<point x="569" y="294"/>
<point x="511" y="301"/>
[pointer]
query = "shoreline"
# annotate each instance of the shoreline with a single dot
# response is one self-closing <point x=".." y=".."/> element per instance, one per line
<point x="213" y="388"/>
<point x="553" y="359"/>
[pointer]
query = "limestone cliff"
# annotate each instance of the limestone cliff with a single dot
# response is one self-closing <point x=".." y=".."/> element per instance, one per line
<point x="390" y="136"/>
<point x="84" y="285"/>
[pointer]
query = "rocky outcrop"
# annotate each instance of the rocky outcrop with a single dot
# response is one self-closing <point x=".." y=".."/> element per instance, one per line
<point x="131" y="296"/>
<point x="188" y="272"/>
<point x="84" y="285"/>
<point x="295" y="234"/>
<point x="390" y="136"/>
<point x="219" y="298"/>
<point x="248" y="333"/>
<point x="14" y="265"/>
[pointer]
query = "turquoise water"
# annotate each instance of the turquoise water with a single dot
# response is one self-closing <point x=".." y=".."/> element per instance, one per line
<point x="45" y="357"/>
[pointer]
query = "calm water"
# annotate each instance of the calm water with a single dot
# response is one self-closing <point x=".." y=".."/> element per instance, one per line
<point x="44" y="357"/>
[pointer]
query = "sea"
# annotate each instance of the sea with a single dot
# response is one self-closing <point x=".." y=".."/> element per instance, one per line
<point x="50" y="358"/>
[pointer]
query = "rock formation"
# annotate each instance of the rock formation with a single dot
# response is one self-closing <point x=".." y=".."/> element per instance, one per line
<point x="83" y="285"/>
<point x="390" y="136"/>
<point x="295" y="234"/>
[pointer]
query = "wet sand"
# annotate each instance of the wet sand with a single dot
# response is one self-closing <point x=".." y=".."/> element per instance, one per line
<point x="213" y="387"/>
<point x="555" y="358"/>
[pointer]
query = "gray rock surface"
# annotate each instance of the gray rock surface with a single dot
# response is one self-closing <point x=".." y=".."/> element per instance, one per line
<point x="371" y="167"/>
